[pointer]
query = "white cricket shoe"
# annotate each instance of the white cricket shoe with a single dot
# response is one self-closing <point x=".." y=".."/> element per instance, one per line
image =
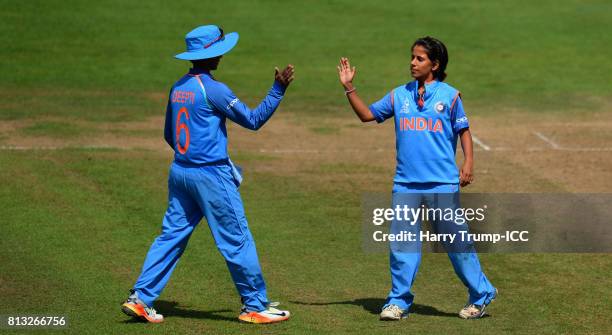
<point x="473" y="311"/>
<point x="393" y="313"/>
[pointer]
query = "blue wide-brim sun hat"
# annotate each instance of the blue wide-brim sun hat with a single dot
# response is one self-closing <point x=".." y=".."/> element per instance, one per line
<point x="207" y="42"/>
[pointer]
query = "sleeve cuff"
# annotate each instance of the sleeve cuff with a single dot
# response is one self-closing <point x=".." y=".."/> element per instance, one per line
<point x="279" y="88"/>
<point x="377" y="116"/>
<point x="458" y="129"/>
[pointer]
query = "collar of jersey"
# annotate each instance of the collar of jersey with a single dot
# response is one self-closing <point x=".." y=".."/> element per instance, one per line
<point x="430" y="89"/>
<point x="196" y="72"/>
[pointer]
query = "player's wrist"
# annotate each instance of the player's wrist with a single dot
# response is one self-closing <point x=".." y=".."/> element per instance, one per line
<point x="348" y="86"/>
<point x="279" y="87"/>
<point x="347" y="92"/>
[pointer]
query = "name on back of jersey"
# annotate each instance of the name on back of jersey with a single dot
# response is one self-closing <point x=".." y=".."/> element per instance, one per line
<point x="183" y="97"/>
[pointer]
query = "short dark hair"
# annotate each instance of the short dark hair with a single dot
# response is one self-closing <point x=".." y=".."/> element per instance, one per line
<point x="436" y="51"/>
<point x="205" y="63"/>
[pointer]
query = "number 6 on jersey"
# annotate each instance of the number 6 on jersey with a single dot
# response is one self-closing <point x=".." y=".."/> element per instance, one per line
<point x="182" y="126"/>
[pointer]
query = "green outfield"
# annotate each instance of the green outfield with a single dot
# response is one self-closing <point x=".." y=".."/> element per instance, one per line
<point x="83" y="165"/>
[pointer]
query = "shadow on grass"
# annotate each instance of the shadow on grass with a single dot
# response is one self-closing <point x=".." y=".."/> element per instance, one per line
<point x="374" y="306"/>
<point x="171" y="309"/>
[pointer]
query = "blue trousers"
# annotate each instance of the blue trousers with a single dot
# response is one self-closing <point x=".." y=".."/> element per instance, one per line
<point x="212" y="192"/>
<point x="405" y="259"/>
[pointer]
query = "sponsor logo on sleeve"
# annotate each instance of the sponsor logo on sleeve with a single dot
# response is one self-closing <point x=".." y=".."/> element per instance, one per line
<point x="462" y="120"/>
<point x="232" y="103"/>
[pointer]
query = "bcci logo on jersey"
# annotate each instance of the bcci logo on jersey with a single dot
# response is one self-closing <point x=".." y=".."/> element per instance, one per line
<point x="439" y="107"/>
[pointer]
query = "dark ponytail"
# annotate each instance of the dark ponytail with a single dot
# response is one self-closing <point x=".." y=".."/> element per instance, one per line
<point x="436" y="51"/>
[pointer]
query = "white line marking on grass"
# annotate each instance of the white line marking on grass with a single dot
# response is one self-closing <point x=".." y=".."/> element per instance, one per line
<point x="542" y="149"/>
<point x="481" y="143"/>
<point x="22" y="148"/>
<point x="586" y="149"/>
<point x="315" y="152"/>
<point x="547" y="140"/>
<point x="537" y="149"/>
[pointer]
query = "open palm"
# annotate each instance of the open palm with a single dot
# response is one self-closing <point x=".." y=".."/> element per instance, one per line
<point x="345" y="72"/>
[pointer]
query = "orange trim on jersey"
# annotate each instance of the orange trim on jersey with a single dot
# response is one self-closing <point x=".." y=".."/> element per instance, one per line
<point x="392" y="99"/>
<point x="455" y="100"/>
<point x="198" y="78"/>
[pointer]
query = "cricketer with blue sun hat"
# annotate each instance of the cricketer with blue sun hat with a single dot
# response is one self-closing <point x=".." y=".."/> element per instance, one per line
<point x="207" y="42"/>
<point x="203" y="181"/>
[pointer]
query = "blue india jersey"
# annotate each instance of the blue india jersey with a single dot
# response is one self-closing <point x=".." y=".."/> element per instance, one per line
<point x="198" y="107"/>
<point x="426" y="137"/>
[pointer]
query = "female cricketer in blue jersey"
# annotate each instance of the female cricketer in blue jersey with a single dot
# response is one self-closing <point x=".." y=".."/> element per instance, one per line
<point x="203" y="182"/>
<point x="429" y="118"/>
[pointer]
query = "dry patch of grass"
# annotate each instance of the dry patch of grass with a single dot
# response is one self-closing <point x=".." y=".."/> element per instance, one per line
<point x="341" y="153"/>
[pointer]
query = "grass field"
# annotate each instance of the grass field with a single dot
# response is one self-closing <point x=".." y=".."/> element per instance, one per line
<point x="83" y="165"/>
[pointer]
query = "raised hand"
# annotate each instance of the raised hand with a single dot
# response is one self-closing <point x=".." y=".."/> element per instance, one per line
<point x="286" y="76"/>
<point x="346" y="73"/>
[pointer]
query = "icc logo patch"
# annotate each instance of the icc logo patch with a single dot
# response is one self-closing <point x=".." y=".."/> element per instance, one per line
<point x="405" y="107"/>
<point x="439" y="107"/>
